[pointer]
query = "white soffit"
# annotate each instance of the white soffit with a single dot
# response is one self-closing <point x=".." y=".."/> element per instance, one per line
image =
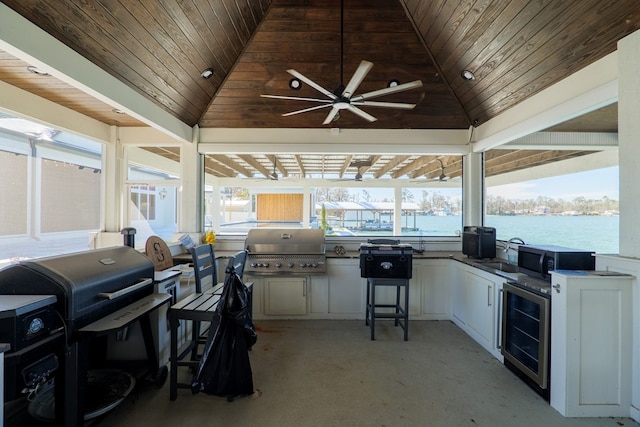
<point x="564" y="141"/>
<point x="26" y="41"/>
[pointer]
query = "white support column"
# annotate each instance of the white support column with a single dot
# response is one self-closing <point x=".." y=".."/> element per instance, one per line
<point x="629" y="163"/>
<point x="628" y="145"/>
<point x="397" y="212"/>
<point x="472" y="189"/>
<point x="190" y="192"/>
<point x="307" y="206"/>
<point x="113" y="178"/>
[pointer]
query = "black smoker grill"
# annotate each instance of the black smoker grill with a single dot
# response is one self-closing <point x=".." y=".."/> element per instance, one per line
<point x="385" y="265"/>
<point x="87" y="287"/>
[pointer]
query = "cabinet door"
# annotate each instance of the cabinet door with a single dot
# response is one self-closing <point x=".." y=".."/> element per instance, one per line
<point x="346" y="287"/>
<point x="480" y="291"/>
<point x="285" y="296"/>
<point x="435" y="276"/>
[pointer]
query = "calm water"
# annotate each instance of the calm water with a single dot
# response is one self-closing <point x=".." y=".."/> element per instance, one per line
<point x="596" y="233"/>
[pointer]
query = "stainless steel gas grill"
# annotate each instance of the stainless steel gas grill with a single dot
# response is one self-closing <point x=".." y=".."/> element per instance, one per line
<point x="95" y="292"/>
<point x="289" y="251"/>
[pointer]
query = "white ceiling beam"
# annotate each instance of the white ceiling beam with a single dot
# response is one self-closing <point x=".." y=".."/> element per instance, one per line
<point x="334" y="141"/>
<point x="589" y="89"/>
<point x="22" y="39"/>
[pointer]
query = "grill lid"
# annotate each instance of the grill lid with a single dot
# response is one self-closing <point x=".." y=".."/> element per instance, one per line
<point x="88" y="285"/>
<point x="274" y="241"/>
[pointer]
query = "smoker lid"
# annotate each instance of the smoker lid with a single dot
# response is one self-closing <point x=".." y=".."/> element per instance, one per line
<point x="285" y="241"/>
<point x="81" y="280"/>
<point x="90" y="267"/>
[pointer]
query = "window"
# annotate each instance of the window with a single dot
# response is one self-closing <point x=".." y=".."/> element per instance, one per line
<point x="429" y="210"/>
<point x="153" y="180"/>
<point x="561" y="210"/>
<point x="51" y="190"/>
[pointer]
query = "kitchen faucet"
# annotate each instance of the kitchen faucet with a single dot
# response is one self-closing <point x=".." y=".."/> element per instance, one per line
<point x="514" y="258"/>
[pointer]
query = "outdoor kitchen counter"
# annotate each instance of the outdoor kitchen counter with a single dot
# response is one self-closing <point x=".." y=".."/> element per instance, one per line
<point x="426" y="255"/>
<point x="520" y="278"/>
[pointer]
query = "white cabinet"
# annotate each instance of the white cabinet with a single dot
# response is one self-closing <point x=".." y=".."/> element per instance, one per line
<point x="285" y="296"/>
<point x="480" y="307"/>
<point x="591" y="339"/>
<point x="476" y="305"/>
<point x="346" y="288"/>
<point x="430" y="290"/>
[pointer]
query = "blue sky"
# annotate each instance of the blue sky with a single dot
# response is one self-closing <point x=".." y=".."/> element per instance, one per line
<point x="594" y="184"/>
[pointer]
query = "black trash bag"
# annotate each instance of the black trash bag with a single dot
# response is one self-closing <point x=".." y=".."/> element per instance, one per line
<point x="224" y="369"/>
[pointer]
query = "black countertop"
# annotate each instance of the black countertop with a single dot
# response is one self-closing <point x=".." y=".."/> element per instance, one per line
<point x="520" y="279"/>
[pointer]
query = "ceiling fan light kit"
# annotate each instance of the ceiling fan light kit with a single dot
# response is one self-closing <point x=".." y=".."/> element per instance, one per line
<point x="295" y="84"/>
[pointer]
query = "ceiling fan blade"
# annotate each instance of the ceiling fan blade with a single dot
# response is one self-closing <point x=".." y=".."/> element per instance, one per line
<point x="313" y="84"/>
<point x="317" y="107"/>
<point x="332" y="114"/>
<point x="357" y="78"/>
<point x="388" y="90"/>
<point x="296" y="98"/>
<point x="362" y="114"/>
<point x="384" y="104"/>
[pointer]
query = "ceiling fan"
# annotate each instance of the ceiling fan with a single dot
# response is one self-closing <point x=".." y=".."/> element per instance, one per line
<point x="343" y="97"/>
<point x="443" y="176"/>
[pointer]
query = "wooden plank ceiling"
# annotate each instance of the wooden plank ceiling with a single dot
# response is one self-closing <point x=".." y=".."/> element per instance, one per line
<point x="514" y="48"/>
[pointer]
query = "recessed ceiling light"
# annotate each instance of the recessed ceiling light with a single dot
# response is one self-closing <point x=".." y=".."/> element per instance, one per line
<point x="36" y="70"/>
<point x="295" y="84"/>
<point x="393" y="83"/>
<point x="207" y="73"/>
<point x="118" y="111"/>
<point x="467" y="75"/>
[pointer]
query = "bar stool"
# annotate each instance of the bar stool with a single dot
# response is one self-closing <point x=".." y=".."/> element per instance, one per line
<point x="400" y="312"/>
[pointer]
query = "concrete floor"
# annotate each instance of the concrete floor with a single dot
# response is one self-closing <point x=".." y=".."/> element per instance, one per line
<point x="329" y="373"/>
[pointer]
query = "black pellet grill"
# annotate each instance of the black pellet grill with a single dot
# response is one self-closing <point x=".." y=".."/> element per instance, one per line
<point x="82" y="288"/>
<point x="386" y="261"/>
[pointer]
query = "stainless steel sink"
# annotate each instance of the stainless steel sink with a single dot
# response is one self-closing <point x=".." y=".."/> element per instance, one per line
<point x="501" y="266"/>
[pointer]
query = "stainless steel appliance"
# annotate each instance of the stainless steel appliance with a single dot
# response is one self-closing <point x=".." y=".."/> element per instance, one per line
<point x="285" y="251"/>
<point x="538" y="261"/>
<point x="526" y="310"/>
<point x="479" y="242"/>
<point x="88" y="287"/>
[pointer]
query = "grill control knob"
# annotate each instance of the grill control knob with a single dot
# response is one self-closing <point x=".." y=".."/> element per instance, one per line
<point x="266" y="264"/>
<point x="278" y="265"/>
<point x="303" y="265"/>
<point x="290" y="265"/>
<point x="314" y="265"/>
<point x="254" y="264"/>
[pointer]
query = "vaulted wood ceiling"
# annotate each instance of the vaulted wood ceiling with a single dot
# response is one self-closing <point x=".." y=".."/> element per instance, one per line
<point x="515" y="49"/>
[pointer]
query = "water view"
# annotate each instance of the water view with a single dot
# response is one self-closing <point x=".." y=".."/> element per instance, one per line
<point x="570" y="231"/>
